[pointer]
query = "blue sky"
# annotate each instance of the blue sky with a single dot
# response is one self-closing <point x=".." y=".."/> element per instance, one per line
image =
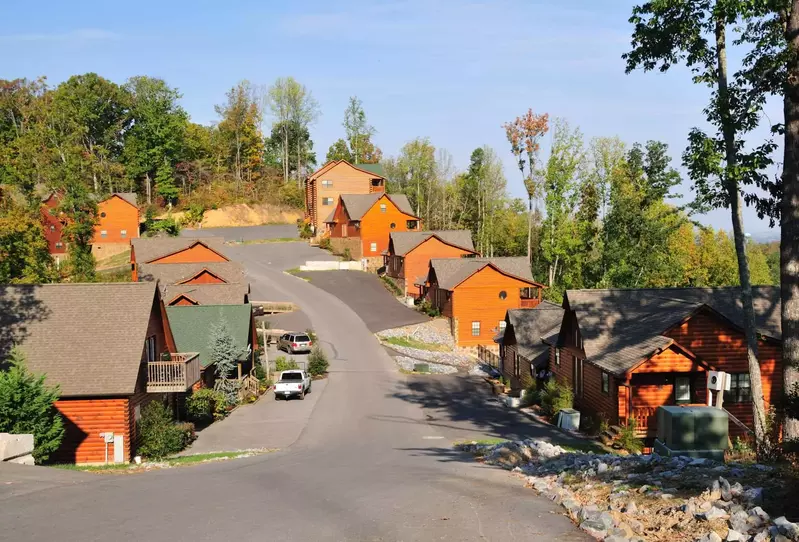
<point x="452" y="71"/>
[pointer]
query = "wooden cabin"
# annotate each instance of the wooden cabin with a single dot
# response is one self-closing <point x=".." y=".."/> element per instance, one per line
<point x="407" y="259"/>
<point x="524" y="342"/>
<point x="175" y="250"/>
<point x="117" y="223"/>
<point x="217" y="283"/>
<point x="626" y="352"/>
<point x="362" y="223"/>
<point x="476" y="293"/>
<point x="53" y="228"/>
<point x="325" y="185"/>
<point x="110" y="350"/>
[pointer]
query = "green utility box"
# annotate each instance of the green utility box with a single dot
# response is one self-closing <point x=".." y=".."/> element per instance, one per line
<point x="692" y="431"/>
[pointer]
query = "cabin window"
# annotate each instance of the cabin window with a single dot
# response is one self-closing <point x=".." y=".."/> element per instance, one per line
<point x="327" y="183"/>
<point x="52" y="228"/>
<point x="382" y="207"/>
<point x="502" y="325"/>
<point x="740" y="389"/>
<point x="373" y="247"/>
<point x="123" y="233"/>
<point x="557" y="357"/>
<point x="577" y="370"/>
<point x="327" y="201"/>
<point x="103" y="233"/>
<point x="682" y="390"/>
<point x="475" y="329"/>
<point x="412" y="224"/>
<point x="59" y="244"/>
<point x="503" y="294"/>
<point x="605" y="383"/>
<point x="150" y="348"/>
<point x="392" y="225"/>
<point x="102" y="215"/>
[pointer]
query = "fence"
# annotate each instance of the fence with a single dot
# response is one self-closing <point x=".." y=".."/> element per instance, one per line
<point x="488" y="357"/>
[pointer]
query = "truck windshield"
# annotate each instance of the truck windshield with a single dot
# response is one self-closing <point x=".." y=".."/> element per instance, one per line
<point x="291" y="376"/>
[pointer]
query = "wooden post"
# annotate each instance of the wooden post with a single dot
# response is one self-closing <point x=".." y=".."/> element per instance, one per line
<point x="720" y="396"/>
<point x="266" y="348"/>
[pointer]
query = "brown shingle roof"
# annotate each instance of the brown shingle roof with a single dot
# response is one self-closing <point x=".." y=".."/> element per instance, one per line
<point x="452" y="271"/>
<point x="531" y="326"/>
<point x="405" y="241"/>
<point x="620" y="328"/>
<point x="358" y="204"/>
<point x="148" y="249"/>
<point x="208" y="294"/>
<point x="87" y="338"/>
<point x="173" y="273"/>
<point x="130" y="197"/>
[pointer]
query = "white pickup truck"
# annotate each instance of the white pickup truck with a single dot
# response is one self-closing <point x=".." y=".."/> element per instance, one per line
<point x="293" y="382"/>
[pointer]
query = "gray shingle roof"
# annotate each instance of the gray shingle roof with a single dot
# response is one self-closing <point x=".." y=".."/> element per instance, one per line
<point x="358" y="204"/>
<point x="130" y="197"/>
<point x="620" y="328"/>
<point x="173" y="273"/>
<point x="192" y="327"/>
<point x="405" y="241"/>
<point x="87" y="338"/>
<point x="452" y="271"/>
<point x="208" y="294"/>
<point x="148" y="249"/>
<point x="531" y="326"/>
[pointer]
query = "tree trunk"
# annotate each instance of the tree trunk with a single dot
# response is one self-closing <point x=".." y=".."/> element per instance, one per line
<point x="789" y="236"/>
<point x="529" y="228"/>
<point x="148" y="187"/>
<point x="731" y="182"/>
<point x="285" y="152"/>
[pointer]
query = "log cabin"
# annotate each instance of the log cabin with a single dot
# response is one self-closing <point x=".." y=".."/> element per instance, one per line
<point x="407" y="259"/>
<point x="325" y="185"/>
<point x="476" y="293"/>
<point x="117" y="223"/>
<point x="362" y="223"/>
<point x="524" y="342"/>
<point x="193" y="326"/>
<point x="217" y="283"/>
<point x="171" y="250"/>
<point x="109" y="349"/>
<point x="624" y="353"/>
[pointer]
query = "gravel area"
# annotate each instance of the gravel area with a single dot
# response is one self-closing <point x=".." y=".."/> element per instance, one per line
<point x="433" y="332"/>
<point x="446" y="358"/>
<point x="408" y="364"/>
<point x="481" y="369"/>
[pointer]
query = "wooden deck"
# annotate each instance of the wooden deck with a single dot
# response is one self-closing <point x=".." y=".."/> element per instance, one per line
<point x="176" y="375"/>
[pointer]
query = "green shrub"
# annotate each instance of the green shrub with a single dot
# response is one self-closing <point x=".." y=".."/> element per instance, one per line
<point x="201" y="405"/>
<point x="292" y="195"/>
<point x="194" y="214"/>
<point x="260" y="372"/>
<point x="283" y="364"/>
<point x="530" y="394"/>
<point x="167" y="225"/>
<point x="393" y="288"/>
<point x="317" y="361"/>
<point x="312" y="334"/>
<point x="627" y="438"/>
<point x="427" y="308"/>
<point x="306" y="232"/>
<point x="159" y="435"/>
<point x="26" y="406"/>
<point x="347" y="255"/>
<point x="555" y="397"/>
<point x="324" y="244"/>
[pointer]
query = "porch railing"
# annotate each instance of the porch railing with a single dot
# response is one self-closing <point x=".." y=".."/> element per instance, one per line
<point x="529" y="303"/>
<point x="178" y="374"/>
<point x="487" y="356"/>
<point x="645" y="420"/>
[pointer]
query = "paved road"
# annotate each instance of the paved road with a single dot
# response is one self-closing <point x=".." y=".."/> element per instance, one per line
<point x="366" y="295"/>
<point x="367" y="466"/>
<point x="248" y="233"/>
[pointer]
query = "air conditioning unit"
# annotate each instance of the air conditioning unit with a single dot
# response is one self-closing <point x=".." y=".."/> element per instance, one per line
<point x="715" y="378"/>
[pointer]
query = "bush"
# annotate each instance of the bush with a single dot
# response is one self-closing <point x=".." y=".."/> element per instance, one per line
<point x="306" y="232"/>
<point x="260" y="372"/>
<point x="324" y="244"/>
<point x="283" y="364"/>
<point x="347" y="255"/>
<point x="26" y="406"/>
<point x="530" y="395"/>
<point x="194" y="214"/>
<point x="292" y="195"/>
<point x="202" y="404"/>
<point x="317" y="361"/>
<point x="167" y="225"/>
<point x="159" y="435"/>
<point x="627" y="438"/>
<point x="555" y="397"/>
<point x="391" y="285"/>
<point x="427" y="308"/>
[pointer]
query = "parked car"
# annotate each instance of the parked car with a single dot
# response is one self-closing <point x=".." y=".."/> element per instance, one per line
<point x="294" y="342"/>
<point x="291" y="383"/>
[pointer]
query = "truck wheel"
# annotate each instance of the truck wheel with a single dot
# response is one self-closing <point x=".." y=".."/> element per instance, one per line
<point x="277" y="397"/>
<point x="302" y="395"/>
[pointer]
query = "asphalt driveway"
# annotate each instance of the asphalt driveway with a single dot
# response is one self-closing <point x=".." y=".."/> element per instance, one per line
<point x="367" y="297"/>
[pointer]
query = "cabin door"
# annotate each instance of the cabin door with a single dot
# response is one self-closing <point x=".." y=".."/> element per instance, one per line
<point x="577" y="376"/>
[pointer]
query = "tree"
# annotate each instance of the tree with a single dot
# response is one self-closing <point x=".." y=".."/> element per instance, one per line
<point x="225" y="355"/>
<point x="156" y="138"/>
<point x="359" y="133"/>
<point x="27" y="406"/>
<point x="524" y="135"/>
<point x="339" y="151"/>
<point x="667" y="33"/>
<point x="300" y="149"/>
<point x="294" y="110"/>
<point x="79" y="210"/>
<point x="24" y="253"/>
<point x="240" y="128"/>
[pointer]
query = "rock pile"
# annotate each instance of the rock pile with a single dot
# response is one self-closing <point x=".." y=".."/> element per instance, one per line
<point x="629" y="498"/>
<point x="408" y="364"/>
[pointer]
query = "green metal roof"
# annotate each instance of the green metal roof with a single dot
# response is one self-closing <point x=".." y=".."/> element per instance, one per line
<point x="192" y="325"/>
<point x="377" y="169"/>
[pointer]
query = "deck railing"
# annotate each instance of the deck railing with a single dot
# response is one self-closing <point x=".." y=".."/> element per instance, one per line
<point x="645" y="420"/>
<point x="529" y="303"/>
<point x="178" y="374"/>
<point x="487" y="356"/>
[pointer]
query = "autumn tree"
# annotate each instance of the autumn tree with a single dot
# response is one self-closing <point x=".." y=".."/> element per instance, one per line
<point x="339" y="151"/>
<point x="524" y="135"/>
<point x="359" y="134"/>
<point x="294" y="110"/>
<point x="694" y="32"/>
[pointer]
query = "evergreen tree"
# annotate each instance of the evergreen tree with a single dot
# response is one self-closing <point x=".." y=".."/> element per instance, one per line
<point x="225" y="356"/>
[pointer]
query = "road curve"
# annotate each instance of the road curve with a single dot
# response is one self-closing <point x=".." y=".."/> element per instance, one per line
<point x="366" y="467"/>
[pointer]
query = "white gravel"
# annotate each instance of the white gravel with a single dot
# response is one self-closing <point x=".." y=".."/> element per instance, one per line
<point x="408" y="364"/>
